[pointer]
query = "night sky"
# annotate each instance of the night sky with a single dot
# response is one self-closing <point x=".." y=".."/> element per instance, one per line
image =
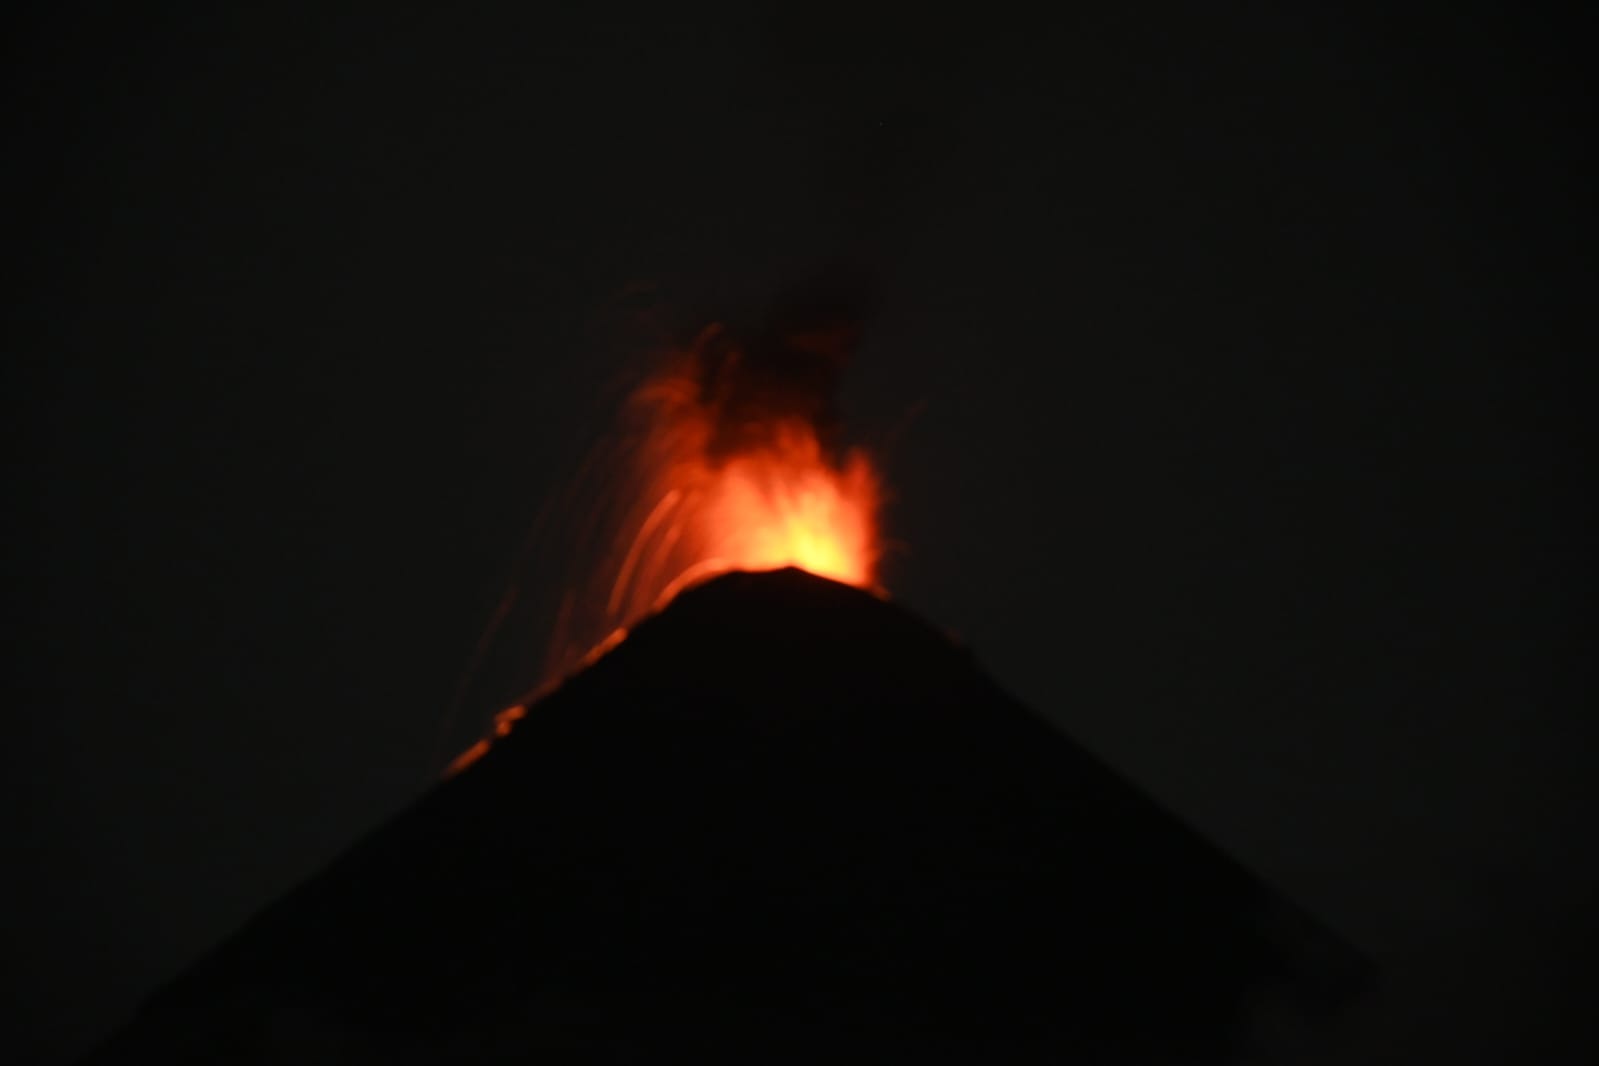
<point x="1222" y="369"/>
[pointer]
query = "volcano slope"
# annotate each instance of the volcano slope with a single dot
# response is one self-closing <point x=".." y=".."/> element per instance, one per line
<point x="784" y="821"/>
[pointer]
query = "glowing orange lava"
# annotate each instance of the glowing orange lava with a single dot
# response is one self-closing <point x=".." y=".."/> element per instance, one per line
<point x="712" y="481"/>
<point x="717" y="485"/>
<point x="777" y="501"/>
<point x="504" y="722"/>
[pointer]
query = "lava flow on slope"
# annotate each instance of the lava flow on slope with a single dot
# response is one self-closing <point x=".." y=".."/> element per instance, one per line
<point x="727" y="458"/>
<point x="785" y="821"/>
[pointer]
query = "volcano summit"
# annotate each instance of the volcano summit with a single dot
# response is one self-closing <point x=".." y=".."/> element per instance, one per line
<point x="784" y="821"/>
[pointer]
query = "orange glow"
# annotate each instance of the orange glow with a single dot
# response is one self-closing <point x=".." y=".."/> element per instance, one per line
<point x="504" y="722"/>
<point x="721" y="469"/>
<point x="753" y="496"/>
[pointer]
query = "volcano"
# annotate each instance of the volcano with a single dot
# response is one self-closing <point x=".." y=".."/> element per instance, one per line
<point x="784" y="821"/>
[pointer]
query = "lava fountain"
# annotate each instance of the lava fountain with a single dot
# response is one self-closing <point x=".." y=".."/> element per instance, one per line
<point x="729" y="484"/>
<point x="727" y="461"/>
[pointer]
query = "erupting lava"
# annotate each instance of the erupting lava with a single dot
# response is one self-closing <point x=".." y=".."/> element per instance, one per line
<point x="725" y="489"/>
<point x="726" y="466"/>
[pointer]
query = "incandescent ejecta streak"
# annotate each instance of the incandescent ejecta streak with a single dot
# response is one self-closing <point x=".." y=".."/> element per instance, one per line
<point x="729" y="467"/>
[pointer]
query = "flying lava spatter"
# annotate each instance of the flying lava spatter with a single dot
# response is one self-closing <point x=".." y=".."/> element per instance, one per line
<point x="728" y="468"/>
<point x="738" y="489"/>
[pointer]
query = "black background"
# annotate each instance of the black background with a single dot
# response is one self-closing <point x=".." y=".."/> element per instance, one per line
<point x="1223" y="373"/>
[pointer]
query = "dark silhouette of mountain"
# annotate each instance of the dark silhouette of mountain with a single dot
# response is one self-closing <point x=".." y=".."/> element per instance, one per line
<point x="784" y="821"/>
